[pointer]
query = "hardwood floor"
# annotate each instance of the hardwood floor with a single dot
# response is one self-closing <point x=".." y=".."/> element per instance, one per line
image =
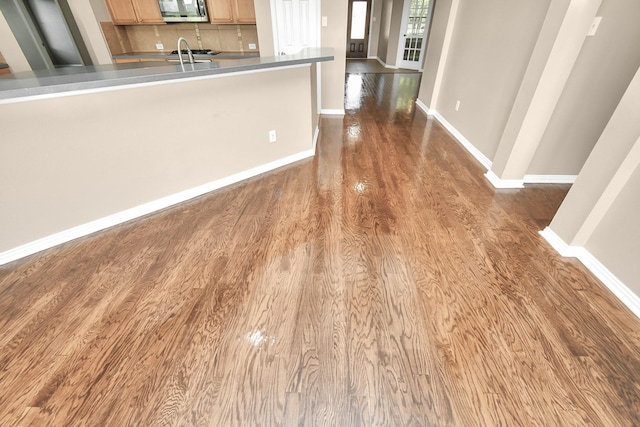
<point x="383" y="283"/>
<point x="363" y="66"/>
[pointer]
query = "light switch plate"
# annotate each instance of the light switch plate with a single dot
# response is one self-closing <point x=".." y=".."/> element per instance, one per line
<point x="324" y="21"/>
<point x="594" y="26"/>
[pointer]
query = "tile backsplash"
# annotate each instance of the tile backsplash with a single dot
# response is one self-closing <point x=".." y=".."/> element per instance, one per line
<point x="143" y="38"/>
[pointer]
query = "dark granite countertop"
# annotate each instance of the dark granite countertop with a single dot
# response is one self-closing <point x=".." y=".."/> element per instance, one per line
<point x="3" y="65"/>
<point x="73" y="79"/>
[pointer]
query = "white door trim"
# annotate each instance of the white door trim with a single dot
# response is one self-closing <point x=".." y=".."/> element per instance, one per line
<point x="400" y="62"/>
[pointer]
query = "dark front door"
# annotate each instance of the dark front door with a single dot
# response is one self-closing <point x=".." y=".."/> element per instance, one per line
<point x="358" y="28"/>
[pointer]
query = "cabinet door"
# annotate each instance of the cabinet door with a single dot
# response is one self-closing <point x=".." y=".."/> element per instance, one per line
<point x="148" y="12"/>
<point x="244" y="11"/>
<point x="220" y="11"/>
<point x="122" y="12"/>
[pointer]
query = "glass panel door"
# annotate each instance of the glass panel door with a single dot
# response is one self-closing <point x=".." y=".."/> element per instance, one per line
<point x="415" y="24"/>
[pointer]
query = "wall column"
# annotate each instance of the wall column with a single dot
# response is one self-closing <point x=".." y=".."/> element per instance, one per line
<point x="608" y="168"/>
<point x="558" y="46"/>
<point x="438" y="45"/>
<point x="597" y="220"/>
<point x="334" y="35"/>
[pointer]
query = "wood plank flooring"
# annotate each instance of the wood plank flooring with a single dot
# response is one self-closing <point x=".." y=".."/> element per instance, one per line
<point x="363" y="66"/>
<point x="383" y="283"/>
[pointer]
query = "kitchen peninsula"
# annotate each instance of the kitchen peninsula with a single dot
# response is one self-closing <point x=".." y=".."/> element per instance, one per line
<point x="86" y="148"/>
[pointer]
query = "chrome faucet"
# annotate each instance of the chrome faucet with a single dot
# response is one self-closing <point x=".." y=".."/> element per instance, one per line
<point x="189" y="53"/>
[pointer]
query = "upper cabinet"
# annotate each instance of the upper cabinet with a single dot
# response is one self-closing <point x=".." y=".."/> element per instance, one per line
<point x="132" y="12"/>
<point x="244" y="11"/>
<point x="231" y="11"/>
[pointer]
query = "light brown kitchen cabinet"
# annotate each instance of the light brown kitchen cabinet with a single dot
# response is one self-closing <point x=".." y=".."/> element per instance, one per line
<point x="231" y="11"/>
<point x="135" y="12"/>
<point x="244" y="11"/>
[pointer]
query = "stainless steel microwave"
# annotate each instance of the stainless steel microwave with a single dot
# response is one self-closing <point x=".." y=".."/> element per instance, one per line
<point x="183" y="10"/>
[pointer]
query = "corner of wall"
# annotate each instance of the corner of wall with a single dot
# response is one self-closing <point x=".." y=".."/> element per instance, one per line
<point x="11" y="49"/>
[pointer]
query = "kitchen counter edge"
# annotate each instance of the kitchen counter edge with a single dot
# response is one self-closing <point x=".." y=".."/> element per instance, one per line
<point x="61" y="82"/>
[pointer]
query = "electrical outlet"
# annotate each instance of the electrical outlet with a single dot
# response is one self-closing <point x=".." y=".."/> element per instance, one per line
<point x="324" y="21"/>
<point x="272" y="136"/>
<point x="252" y="46"/>
<point x="457" y="105"/>
<point x="159" y="46"/>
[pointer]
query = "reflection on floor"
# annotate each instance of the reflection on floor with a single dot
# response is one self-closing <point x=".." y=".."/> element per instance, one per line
<point x="394" y="94"/>
<point x="363" y="66"/>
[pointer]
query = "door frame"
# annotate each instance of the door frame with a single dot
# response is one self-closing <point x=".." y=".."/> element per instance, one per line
<point x="400" y="62"/>
<point x="367" y="26"/>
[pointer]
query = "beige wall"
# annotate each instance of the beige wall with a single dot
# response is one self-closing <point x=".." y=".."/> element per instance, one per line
<point x="575" y="219"/>
<point x="490" y="50"/>
<point x="374" y="27"/>
<point x="434" y="62"/>
<point x="388" y="22"/>
<point x="616" y="240"/>
<point x="264" y="27"/>
<point x="386" y="10"/>
<point x="94" y="155"/>
<point x="9" y="46"/>
<point x="394" y="33"/>
<point x="600" y="211"/>
<point x="88" y="24"/>
<point x="100" y="10"/>
<point x="334" y="35"/>
<point x="599" y="78"/>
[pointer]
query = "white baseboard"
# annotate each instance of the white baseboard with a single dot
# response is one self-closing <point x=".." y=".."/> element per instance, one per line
<point x="144" y="209"/>
<point x="421" y="105"/>
<point x="558" y="244"/>
<point x="528" y="179"/>
<point x="615" y="285"/>
<point x="316" y="134"/>
<point x="484" y="160"/>
<point x="380" y="61"/>
<point x="477" y="154"/>
<point x="384" y="64"/>
<point x="549" y="179"/>
<point x="332" y="112"/>
<point x="503" y="183"/>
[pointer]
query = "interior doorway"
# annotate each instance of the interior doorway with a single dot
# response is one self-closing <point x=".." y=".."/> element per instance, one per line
<point x="358" y="28"/>
<point x="416" y="18"/>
